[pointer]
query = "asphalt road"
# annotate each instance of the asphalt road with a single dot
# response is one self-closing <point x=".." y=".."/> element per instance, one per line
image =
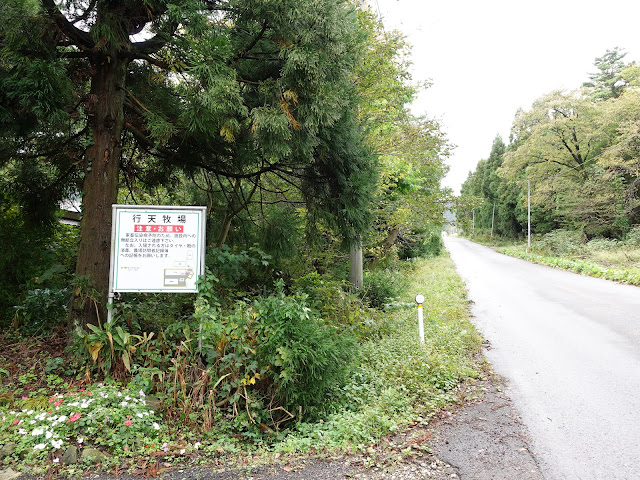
<point x="570" y="347"/>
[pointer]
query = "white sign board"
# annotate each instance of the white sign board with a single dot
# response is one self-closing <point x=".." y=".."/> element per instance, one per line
<point x="157" y="248"/>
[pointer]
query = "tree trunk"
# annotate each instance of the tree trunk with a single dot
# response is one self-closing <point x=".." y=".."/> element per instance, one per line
<point x="388" y="242"/>
<point x="224" y="229"/>
<point x="100" y="187"/>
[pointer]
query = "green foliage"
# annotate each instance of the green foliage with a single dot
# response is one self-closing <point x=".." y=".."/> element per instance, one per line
<point x="561" y="242"/>
<point x="398" y="381"/>
<point x="110" y="348"/>
<point x="36" y="263"/>
<point x="42" y="309"/>
<point x="96" y="416"/>
<point x="578" y="150"/>
<point x="337" y="304"/>
<point x="629" y="275"/>
<point x="383" y="287"/>
<point x="425" y="243"/>
<point x="235" y="273"/>
<point x="633" y="236"/>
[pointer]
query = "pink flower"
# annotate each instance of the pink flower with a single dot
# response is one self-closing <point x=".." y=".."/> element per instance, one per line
<point x="128" y="423"/>
<point x="58" y="403"/>
<point x="16" y="421"/>
<point x="73" y="417"/>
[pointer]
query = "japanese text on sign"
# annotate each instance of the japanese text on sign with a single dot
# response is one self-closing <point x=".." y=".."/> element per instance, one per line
<point x="157" y="249"/>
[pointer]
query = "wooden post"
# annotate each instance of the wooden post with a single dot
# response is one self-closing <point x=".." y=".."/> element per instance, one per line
<point x="355" y="265"/>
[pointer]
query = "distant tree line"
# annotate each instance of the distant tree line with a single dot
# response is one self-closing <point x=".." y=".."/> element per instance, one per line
<point x="580" y="152"/>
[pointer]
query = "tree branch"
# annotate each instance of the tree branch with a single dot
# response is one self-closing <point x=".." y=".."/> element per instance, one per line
<point x="81" y="38"/>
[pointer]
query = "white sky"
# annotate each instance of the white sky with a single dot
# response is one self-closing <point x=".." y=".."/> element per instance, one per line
<point x="488" y="58"/>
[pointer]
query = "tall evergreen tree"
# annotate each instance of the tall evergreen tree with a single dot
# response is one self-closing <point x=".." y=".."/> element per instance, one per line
<point x="237" y="87"/>
<point x="608" y="81"/>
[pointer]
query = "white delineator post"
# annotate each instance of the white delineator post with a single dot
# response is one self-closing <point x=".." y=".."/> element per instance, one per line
<point x="420" y="301"/>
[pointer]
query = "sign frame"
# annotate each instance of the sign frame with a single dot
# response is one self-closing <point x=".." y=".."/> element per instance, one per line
<point x="116" y="286"/>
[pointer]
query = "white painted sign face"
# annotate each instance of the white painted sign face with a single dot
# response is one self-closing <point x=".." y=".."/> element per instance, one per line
<point x="157" y="249"/>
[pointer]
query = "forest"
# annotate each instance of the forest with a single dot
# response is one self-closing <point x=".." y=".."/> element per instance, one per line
<point x="290" y="122"/>
<point x="575" y="153"/>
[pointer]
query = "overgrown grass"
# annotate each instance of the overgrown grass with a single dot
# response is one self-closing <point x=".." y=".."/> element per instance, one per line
<point x="399" y="381"/>
<point x="616" y="260"/>
<point x="394" y="381"/>
<point x="584" y="267"/>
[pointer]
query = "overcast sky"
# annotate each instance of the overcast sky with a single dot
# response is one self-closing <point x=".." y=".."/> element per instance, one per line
<point x="487" y="59"/>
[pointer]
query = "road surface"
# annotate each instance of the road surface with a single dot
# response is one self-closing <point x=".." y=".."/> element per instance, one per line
<point x="570" y="347"/>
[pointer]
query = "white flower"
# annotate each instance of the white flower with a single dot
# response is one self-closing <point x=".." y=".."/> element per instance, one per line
<point x="127" y="398"/>
<point x="56" y="444"/>
<point x="155" y="426"/>
<point x="119" y="394"/>
<point x="182" y="451"/>
<point x="30" y="412"/>
<point x="196" y="445"/>
<point x="139" y="415"/>
<point x="62" y="418"/>
<point x="124" y="404"/>
<point x="32" y="422"/>
<point x="22" y="431"/>
<point x="40" y="446"/>
<point x="37" y="431"/>
<point x="80" y="439"/>
<point x="142" y="394"/>
<point x="56" y="460"/>
<point x="48" y="435"/>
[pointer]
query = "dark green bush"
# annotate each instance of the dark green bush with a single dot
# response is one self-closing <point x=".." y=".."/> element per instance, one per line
<point x="425" y="243"/>
<point x="382" y="287"/>
<point x="561" y="242"/>
<point x="37" y="260"/>
<point x="273" y="358"/>
<point x="237" y="273"/>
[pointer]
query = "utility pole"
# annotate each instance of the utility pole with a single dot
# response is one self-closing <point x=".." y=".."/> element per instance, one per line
<point x="355" y="265"/>
<point x="473" y="220"/>
<point x="528" y="216"/>
<point x="493" y="215"/>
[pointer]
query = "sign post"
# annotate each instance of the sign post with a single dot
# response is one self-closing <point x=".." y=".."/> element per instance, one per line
<point x="156" y="249"/>
<point x="420" y="301"/>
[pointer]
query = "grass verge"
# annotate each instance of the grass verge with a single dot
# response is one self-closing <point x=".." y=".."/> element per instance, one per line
<point x="584" y="267"/>
<point x="396" y="382"/>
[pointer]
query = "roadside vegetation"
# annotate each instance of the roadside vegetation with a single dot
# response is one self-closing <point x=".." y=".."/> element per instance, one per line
<point x="611" y="259"/>
<point x="290" y="121"/>
<point x="281" y="374"/>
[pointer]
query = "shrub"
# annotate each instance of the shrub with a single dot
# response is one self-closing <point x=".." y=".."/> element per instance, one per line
<point x="263" y="363"/>
<point x="382" y="287"/>
<point x="42" y="309"/>
<point x="633" y="237"/>
<point x="425" y="243"/>
<point x="338" y="306"/>
<point x="562" y="242"/>
<point x="602" y="244"/>
<point x="304" y="357"/>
